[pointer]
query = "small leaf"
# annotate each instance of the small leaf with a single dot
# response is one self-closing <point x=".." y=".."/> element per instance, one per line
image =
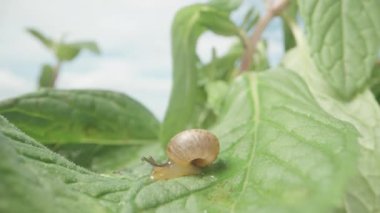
<point x="260" y="60"/>
<point x="47" y="76"/>
<point x="81" y="116"/>
<point x="66" y="52"/>
<point x="375" y="82"/>
<point x="344" y="40"/>
<point x="226" y="5"/>
<point x="87" y="45"/>
<point x="289" y="15"/>
<point x="218" y="22"/>
<point x="43" y="39"/>
<point x="250" y="19"/>
<point x="216" y="91"/>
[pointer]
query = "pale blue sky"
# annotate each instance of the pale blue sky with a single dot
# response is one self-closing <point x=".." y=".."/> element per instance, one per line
<point x="134" y="37"/>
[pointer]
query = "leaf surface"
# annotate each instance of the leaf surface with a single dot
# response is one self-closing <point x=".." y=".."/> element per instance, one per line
<point x="280" y="152"/>
<point x="344" y="39"/>
<point x="187" y="97"/>
<point x="363" y="112"/>
<point x="81" y="116"/>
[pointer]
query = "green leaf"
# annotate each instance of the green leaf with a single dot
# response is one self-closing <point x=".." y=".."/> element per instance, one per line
<point x="289" y="15"/>
<point x="344" y="40"/>
<point x="274" y="126"/>
<point x="43" y="39"/>
<point x="221" y="67"/>
<point x="280" y="152"/>
<point x="250" y="19"/>
<point x="34" y="179"/>
<point x="187" y="101"/>
<point x="184" y="93"/>
<point x="81" y="116"/>
<point x="68" y="51"/>
<point x="216" y="91"/>
<point x="226" y="5"/>
<point x="363" y="112"/>
<point x="218" y="22"/>
<point x="87" y="45"/>
<point x="260" y="60"/>
<point x="106" y="158"/>
<point x="47" y="76"/>
<point x="375" y="82"/>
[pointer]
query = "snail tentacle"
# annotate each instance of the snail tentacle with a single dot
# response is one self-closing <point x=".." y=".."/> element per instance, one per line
<point x="153" y="162"/>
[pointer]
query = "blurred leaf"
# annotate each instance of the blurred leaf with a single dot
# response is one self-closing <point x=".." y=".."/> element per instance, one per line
<point x="81" y="116"/>
<point x="187" y="100"/>
<point x="43" y="39"/>
<point x="344" y="39"/>
<point x="109" y="159"/>
<point x="221" y="68"/>
<point x="184" y="93"/>
<point x="260" y="60"/>
<point x="47" y="76"/>
<point x="216" y="92"/>
<point x="375" y="82"/>
<point x="218" y="22"/>
<point x="278" y="154"/>
<point x="66" y="52"/>
<point x="34" y="179"/>
<point x="250" y="19"/>
<point x="226" y="5"/>
<point x="87" y="45"/>
<point x="289" y="15"/>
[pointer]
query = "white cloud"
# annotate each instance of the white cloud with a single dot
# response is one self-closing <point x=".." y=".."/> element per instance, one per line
<point x="13" y="85"/>
<point x="210" y="40"/>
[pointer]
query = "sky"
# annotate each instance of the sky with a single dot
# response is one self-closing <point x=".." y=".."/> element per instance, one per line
<point x="133" y="35"/>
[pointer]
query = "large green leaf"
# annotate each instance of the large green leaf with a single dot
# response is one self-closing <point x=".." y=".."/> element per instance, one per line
<point x="280" y="152"/>
<point x="81" y="116"/>
<point x="187" y="101"/>
<point x="363" y="112"/>
<point x="344" y="40"/>
<point x="34" y="179"/>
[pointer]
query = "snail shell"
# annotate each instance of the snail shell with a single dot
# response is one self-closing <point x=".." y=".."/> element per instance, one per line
<point x="188" y="151"/>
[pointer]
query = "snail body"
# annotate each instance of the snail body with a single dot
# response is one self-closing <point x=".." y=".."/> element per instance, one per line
<point x="188" y="152"/>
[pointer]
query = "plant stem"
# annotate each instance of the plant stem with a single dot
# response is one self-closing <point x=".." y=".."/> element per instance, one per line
<point x="273" y="10"/>
<point x="56" y="73"/>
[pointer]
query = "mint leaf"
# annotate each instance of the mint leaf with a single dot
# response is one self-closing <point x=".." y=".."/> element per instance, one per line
<point x="282" y="153"/>
<point x="363" y="112"/>
<point x="34" y="179"/>
<point x="344" y="40"/>
<point x="187" y="97"/>
<point x="81" y="116"/>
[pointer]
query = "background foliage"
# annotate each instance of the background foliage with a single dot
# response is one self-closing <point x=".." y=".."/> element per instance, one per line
<point x="299" y="137"/>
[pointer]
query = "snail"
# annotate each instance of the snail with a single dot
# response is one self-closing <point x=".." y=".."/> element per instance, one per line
<point x="188" y="152"/>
